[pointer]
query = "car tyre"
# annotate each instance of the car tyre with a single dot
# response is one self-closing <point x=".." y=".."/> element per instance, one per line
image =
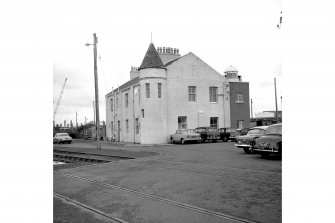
<point x="247" y="150"/>
<point x="225" y="139"/>
<point x="264" y="155"/>
<point x="182" y="141"/>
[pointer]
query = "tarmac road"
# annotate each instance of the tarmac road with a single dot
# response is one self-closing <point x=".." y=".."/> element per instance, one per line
<point x="212" y="182"/>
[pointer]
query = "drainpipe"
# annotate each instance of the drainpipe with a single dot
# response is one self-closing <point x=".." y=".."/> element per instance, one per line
<point x="134" y="112"/>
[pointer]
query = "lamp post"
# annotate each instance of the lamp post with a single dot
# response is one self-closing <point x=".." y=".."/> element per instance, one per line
<point x="95" y="41"/>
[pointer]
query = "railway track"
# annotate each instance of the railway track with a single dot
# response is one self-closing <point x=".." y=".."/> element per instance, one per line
<point x="161" y="199"/>
<point x="71" y="157"/>
<point x="90" y="209"/>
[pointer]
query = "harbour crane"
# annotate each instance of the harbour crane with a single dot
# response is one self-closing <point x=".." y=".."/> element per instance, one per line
<point x="60" y="97"/>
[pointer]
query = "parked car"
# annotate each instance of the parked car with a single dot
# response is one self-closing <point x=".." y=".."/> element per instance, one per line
<point x="208" y="133"/>
<point x="185" y="135"/>
<point x="271" y="142"/>
<point x="246" y="142"/>
<point x="63" y="138"/>
<point x="224" y="134"/>
<point x="87" y="136"/>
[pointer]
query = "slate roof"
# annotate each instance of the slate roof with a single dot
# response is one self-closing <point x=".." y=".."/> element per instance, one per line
<point x="151" y="59"/>
<point x="171" y="62"/>
<point x="126" y="85"/>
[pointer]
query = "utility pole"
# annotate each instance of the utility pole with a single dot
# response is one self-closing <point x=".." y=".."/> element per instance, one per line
<point x="95" y="41"/>
<point x="94" y="112"/>
<point x="276" y="102"/>
<point x="76" y="122"/>
<point x="251" y="109"/>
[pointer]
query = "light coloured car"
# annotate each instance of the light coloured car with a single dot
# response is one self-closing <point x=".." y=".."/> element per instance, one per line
<point x="271" y="142"/>
<point x="246" y="142"/>
<point x="62" y="138"/>
<point x="185" y="135"/>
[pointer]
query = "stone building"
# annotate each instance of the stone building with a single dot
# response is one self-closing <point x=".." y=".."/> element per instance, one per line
<point x="168" y="92"/>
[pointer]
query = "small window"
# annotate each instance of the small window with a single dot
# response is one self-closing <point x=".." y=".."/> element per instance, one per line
<point x="137" y="126"/>
<point x="126" y="99"/>
<point x="147" y="90"/>
<point x="214" y="122"/>
<point x="159" y="90"/>
<point x="192" y="93"/>
<point x="239" y="97"/>
<point x="240" y="124"/>
<point x="127" y="126"/>
<point x="213" y="94"/>
<point x="117" y="100"/>
<point x="182" y="122"/>
<point x="142" y="110"/>
<point x="111" y="105"/>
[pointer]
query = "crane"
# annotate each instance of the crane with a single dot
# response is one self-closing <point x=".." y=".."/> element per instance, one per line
<point x="60" y="97"/>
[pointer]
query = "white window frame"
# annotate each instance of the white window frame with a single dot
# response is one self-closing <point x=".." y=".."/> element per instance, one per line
<point x="213" y="94"/>
<point x="159" y="88"/>
<point x="240" y="124"/>
<point x="215" y="125"/>
<point x="147" y="90"/>
<point x="239" y="97"/>
<point x="182" y="122"/>
<point x="192" y="93"/>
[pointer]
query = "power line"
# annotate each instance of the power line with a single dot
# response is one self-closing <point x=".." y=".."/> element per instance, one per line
<point x="103" y="74"/>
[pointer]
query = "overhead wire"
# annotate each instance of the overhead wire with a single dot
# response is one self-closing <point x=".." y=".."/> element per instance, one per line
<point x="103" y="74"/>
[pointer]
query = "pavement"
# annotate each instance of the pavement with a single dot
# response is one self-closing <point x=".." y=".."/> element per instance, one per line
<point x="211" y="182"/>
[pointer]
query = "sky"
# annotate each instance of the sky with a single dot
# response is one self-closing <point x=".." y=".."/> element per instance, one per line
<point x="222" y="33"/>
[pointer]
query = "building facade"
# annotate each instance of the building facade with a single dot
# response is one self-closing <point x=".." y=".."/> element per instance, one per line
<point x="169" y="92"/>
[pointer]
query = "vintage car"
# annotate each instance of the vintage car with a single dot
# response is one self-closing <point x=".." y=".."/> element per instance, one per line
<point x="62" y="138"/>
<point x="246" y="142"/>
<point x="224" y="134"/>
<point x="271" y="142"/>
<point x="185" y="135"/>
<point x="208" y="133"/>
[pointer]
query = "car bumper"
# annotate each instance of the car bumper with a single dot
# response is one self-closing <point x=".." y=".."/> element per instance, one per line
<point x="243" y="145"/>
<point x="266" y="150"/>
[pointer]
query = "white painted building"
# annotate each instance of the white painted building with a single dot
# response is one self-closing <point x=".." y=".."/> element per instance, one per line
<point x="167" y="92"/>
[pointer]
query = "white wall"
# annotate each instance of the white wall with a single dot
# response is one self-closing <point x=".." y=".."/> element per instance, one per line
<point x="192" y="71"/>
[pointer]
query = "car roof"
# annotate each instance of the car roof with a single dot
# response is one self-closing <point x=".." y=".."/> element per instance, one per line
<point x="278" y="124"/>
<point x="260" y="127"/>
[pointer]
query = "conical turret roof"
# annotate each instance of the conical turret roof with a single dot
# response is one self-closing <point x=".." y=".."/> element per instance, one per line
<point x="151" y="59"/>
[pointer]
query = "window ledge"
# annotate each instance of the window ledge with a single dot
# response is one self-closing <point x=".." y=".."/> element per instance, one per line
<point x="213" y="102"/>
<point x="240" y="102"/>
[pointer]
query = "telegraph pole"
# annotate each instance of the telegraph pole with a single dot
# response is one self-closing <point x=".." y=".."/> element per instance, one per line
<point x="76" y="122"/>
<point x="276" y="102"/>
<point x="94" y="112"/>
<point x="95" y="41"/>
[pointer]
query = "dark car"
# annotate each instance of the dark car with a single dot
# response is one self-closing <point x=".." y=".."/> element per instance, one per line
<point x="271" y="142"/>
<point x="246" y="142"/>
<point x="208" y="133"/>
<point x="232" y="133"/>
<point x="224" y="134"/>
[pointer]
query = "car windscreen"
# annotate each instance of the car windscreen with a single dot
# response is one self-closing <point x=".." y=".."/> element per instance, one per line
<point x="190" y="130"/>
<point x="200" y="130"/>
<point x="255" y="132"/>
<point x="64" y="134"/>
<point x="274" y="130"/>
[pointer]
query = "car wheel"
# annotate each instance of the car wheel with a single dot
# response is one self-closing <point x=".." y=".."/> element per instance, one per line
<point x="182" y="141"/>
<point x="225" y="139"/>
<point x="264" y="155"/>
<point x="247" y="150"/>
<point x="214" y="140"/>
<point x="69" y="142"/>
